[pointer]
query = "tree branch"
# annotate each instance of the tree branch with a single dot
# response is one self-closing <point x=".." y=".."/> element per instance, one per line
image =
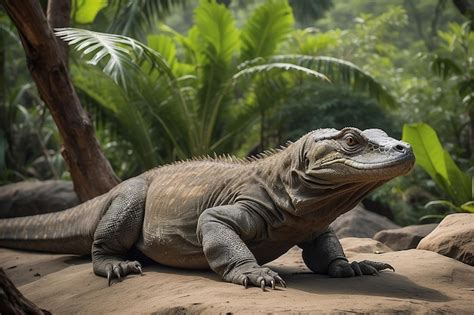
<point x="13" y="302"/>
<point x="90" y="170"/>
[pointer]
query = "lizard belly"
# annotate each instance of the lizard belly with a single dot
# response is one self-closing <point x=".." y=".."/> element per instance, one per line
<point x="172" y="241"/>
<point x="173" y="251"/>
<point x="169" y="226"/>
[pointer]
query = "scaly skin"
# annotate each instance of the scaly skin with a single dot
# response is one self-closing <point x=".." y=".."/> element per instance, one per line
<point x="226" y="214"/>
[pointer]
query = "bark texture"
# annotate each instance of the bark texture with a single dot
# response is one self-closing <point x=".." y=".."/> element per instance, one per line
<point x="12" y="301"/>
<point x="58" y="14"/>
<point x="90" y="170"/>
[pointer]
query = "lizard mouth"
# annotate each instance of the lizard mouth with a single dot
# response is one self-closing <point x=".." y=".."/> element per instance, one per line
<point x="403" y="162"/>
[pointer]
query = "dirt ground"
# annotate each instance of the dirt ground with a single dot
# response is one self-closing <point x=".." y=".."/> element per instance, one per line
<point x="424" y="282"/>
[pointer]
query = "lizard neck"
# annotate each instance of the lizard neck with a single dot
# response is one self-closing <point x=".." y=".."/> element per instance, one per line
<point x="281" y="174"/>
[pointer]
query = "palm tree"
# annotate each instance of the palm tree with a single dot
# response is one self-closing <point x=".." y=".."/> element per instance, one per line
<point x="180" y="96"/>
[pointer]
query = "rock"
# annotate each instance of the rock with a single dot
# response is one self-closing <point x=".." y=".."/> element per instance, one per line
<point x="358" y="245"/>
<point x="424" y="283"/>
<point x="453" y="237"/>
<point x="361" y="223"/>
<point x="36" y="197"/>
<point x="406" y="237"/>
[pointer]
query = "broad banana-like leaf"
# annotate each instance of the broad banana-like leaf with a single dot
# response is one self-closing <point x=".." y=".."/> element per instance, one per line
<point x="85" y="11"/>
<point x="268" y="26"/>
<point x="437" y="162"/>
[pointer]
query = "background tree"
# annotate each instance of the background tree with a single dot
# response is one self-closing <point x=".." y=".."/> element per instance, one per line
<point x="91" y="172"/>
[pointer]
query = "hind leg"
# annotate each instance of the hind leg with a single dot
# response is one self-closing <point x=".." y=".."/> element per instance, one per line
<point x="118" y="230"/>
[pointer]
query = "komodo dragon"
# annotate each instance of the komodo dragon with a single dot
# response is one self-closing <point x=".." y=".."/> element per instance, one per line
<point x="227" y="214"/>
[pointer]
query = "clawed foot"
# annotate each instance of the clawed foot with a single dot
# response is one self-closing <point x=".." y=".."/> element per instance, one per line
<point x="121" y="269"/>
<point x="117" y="269"/>
<point x="260" y="277"/>
<point x="341" y="268"/>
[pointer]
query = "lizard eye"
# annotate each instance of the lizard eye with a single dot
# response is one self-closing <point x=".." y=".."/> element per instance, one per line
<point x="351" y="141"/>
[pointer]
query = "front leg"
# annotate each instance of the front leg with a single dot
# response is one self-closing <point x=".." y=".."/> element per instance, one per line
<point x="324" y="255"/>
<point x="222" y="231"/>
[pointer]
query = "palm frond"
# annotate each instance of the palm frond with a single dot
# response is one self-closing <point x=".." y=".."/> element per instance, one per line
<point x="120" y="57"/>
<point x="165" y="46"/>
<point x="133" y="125"/>
<point x="136" y="17"/>
<point x="249" y="73"/>
<point x="343" y="72"/>
<point x="268" y="26"/>
<point x="217" y="29"/>
<point x="215" y="38"/>
<point x="445" y="67"/>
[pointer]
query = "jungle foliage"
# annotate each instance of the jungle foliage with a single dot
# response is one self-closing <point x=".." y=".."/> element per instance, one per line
<point x="166" y="80"/>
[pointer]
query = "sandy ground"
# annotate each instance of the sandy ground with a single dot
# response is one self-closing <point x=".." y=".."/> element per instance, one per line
<point x="424" y="282"/>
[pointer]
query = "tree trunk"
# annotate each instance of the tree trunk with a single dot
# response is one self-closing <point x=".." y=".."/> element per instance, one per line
<point x="90" y="170"/>
<point x="12" y="301"/>
<point x="58" y="14"/>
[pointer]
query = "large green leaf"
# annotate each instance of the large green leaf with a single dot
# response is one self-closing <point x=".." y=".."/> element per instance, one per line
<point x="342" y="72"/>
<point x="217" y="29"/>
<point x="85" y="11"/>
<point x="165" y="46"/>
<point x="437" y="162"/>
<point x="268" y="26"/>
<point x="215" y="39"/>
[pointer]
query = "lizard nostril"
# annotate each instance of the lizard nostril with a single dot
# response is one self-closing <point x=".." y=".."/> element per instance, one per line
<point x="399" y="148"/>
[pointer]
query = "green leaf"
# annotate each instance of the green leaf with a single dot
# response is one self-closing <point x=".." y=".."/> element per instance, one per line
<point x="445" y="67"/>
<point x="342" y="72"/>
<point x="133" y="125"/>
<point x="437" y="162"/>
<point x="460" y="184"/>
<point x="120" y="57"/>
<point x="137" y="17"/>
<point x="250" y="72"/>
<point x="215" y="39"/>
<point x="468" y="206"/>
<point x="427" y="148"/>
<point x="165" y="46"/>
<point x="442" y="203"/>
<point x="217" y="29"/>
<point x="85" y="11"/>
<point x="269" y="25"/>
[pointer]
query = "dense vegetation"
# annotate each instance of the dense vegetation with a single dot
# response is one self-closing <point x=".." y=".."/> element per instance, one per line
<point x="166" y="80"/>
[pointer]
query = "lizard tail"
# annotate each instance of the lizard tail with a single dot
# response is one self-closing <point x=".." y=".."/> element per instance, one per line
<point x="69" y="231"/>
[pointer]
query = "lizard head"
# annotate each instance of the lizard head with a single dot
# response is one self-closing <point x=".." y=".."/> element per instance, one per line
<point x="338" y="168"/>
<point x="351" y="155"/>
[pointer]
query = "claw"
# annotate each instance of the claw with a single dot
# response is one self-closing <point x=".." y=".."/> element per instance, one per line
<point x="140" y="269"/>
<point x="246" y="282"/>
<point x="281" y="281"/>
<point x="273" y="284"/>
<point x="390" y="267"/>
<point x="262" y="285"/>
<point x="117" y="273"/>
<point x="109" y="277"/>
